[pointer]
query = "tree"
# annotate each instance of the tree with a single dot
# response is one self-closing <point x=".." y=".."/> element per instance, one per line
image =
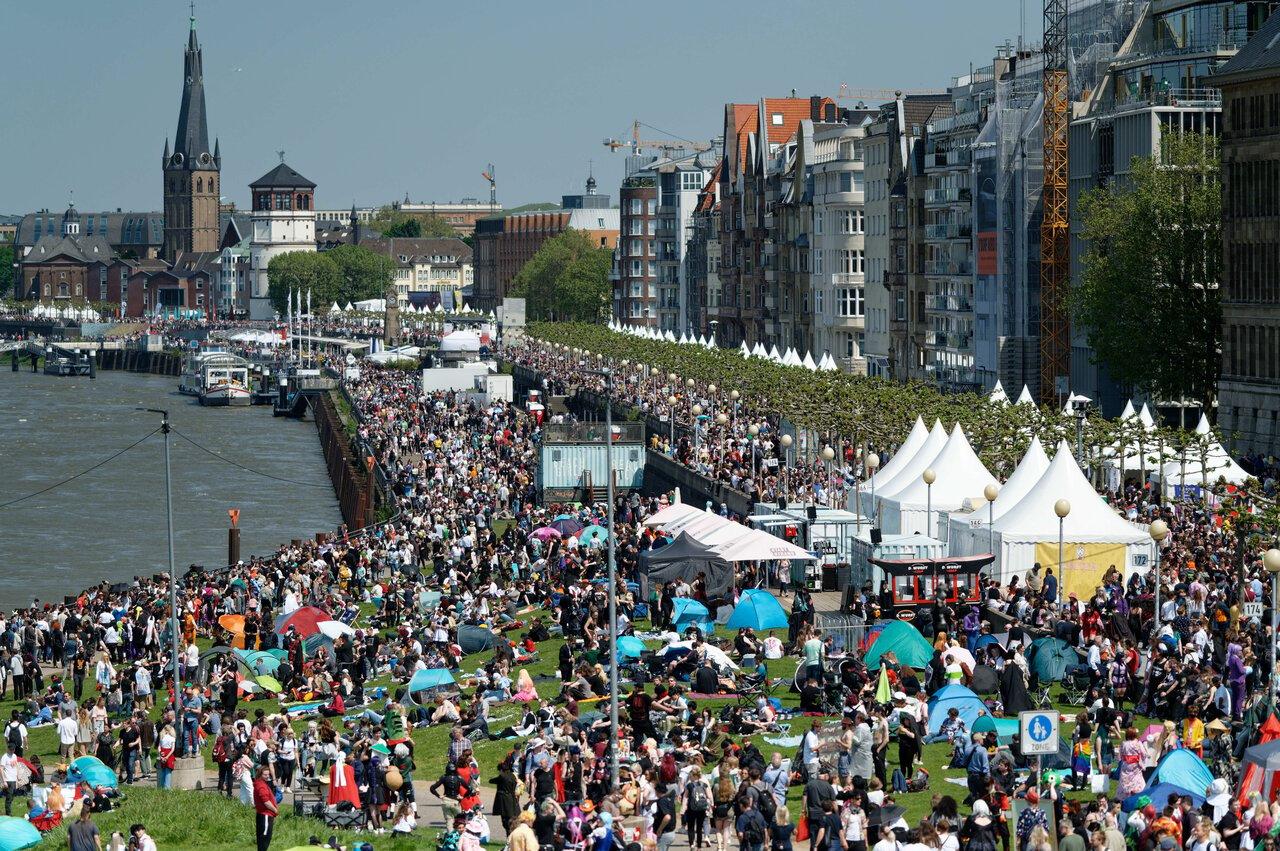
<point x="1149" y="292"/>
<point x="6" y="269"/>
<point x="567" y="280"/>
<point x="391" y="221"/>
<point x="363" y="273"/>
<point x="303" y="271"/>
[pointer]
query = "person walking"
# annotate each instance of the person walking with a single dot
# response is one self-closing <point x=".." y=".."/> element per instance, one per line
<point x="83" y="835"/>
<point x="264" y="807"/>
<point x="9" y="775"/>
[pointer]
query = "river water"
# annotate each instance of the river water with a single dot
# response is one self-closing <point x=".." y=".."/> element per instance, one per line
<point x="110" y="523"/>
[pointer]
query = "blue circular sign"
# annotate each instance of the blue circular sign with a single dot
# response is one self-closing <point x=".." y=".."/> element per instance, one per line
<point x="1039" y="728"/>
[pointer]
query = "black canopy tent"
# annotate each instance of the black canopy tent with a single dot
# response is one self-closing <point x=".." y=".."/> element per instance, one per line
<point x="684" y="558"/>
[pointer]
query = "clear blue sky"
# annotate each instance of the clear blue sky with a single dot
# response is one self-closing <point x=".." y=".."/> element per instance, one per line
<point x="373" y="98"/>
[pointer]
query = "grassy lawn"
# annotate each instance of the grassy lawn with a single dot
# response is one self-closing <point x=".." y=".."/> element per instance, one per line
<point x="206" y="820"/>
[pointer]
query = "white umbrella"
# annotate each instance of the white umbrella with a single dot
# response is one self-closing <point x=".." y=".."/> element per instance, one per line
<point x="333" y="629"/>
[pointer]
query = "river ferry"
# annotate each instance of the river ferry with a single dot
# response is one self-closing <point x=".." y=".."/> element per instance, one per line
<point x="216" y="377"/>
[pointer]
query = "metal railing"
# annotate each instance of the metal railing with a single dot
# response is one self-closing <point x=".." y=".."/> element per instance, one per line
<point x="847" y="630"/>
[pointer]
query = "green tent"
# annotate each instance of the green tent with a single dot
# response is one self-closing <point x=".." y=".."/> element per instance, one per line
<point x="905" y="642"/>
<point x="1006" y="728"/>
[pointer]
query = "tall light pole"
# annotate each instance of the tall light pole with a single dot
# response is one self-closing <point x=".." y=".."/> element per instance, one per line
<point x="173" y="578"/>
<point x="1271" y="559"/>
<point x="696" y="411"/>
<point x="872" y="464"/>
<point x="929" y="477"/>
<point x="1158" y="530"/>
<point x="671" y="402"/>
<point x="1061" y="508"/>
<point x="723" y="419"/>
<point x="991" y="491"/>
<point x="785" y="442"/>
<point x="828" y="454"/>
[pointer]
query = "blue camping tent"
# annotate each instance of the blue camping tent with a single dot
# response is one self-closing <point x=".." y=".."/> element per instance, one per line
<point x="954" y="696"/>
<point x="1050" y="657"/>
<point x="1183" y="770"/>
<point x="429" y="678"/>
<point x="17" y="833"/>
<point x="689" y="613"/>
<point x="1159" y="795"/>
<point x="758" y="609"/>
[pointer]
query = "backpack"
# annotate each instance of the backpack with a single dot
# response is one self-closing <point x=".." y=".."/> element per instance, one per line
<point x="698" y="802"/>
<point x="753" y="831"/>
<point x="667" y="772"/>
<point x="765" y="802"/>
<point x="13" y="735"/>
<point x="220" y="749"/>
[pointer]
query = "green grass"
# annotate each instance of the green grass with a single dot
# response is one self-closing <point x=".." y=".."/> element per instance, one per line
<point x="206" y="820"/>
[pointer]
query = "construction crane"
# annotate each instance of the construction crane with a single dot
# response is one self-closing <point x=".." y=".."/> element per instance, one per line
<point x="491" y="176"/>
<point x="1055" y="330"/>
<point x="636" y="144"/>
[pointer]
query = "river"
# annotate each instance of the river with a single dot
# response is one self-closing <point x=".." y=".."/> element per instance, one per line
<point x="109" y="524"/>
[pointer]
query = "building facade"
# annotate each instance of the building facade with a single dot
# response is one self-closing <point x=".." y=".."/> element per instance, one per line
<point x="634" y="274"/>
<point x="283" y="221"/>
<point x="1249" y="387"/>
<point x="429" y="271"/>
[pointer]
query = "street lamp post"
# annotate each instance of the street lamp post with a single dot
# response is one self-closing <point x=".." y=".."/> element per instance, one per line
<point x="828" y="454"/>
<point x="173" y="577"/>
<point x="872" y="464"/>
<point x="1061" y="508"/>
<point x="671" y="415"/>
<point x="696" y="410"/>
<point x="991" y="491"/>
<point x="929" y="477"/>
<point x="723" y="420"/>
<point x="785" y="442"/>
<point x="1271" y="560"/>
<point x="1158" y="530"/>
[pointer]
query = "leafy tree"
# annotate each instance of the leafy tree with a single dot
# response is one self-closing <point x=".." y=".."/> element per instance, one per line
<point x="567" y="280"/>
<point x="391" y="221"/>
<point x="6" y="269"/>
<point x="1149" y="292"/>
<point x="303" y="271"/>
<point x="363" y="273"/>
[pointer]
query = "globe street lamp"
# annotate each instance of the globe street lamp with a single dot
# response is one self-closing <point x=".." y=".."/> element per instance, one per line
<point x="1061" y="508"/>
<point x="785" y="442"/>
<point x="722" y="419"/>
<point x="872" y="464"/>
<point x="1271" y="560"/>
<point x="1158" y="530"/>
<point x="828" y="454"/>
<point x="697" y="412"/>
<point x="991" y="491"/>
<point x="671" y="402"/>
<point x="929" y="477"/>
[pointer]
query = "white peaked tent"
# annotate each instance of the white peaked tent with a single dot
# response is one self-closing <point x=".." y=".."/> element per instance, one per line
<point x="791" y="358"/>
<point x="669" y="337"/>
<point x="1128" y="411"/>
<point x="915" y="439"/>
<point x="910" y="461"/>
<point x="1024" y="398"/>
<point x="743" y="350"/>
<point x="998" y="396"/>
<point x="969" y="529"/>
<point x="916" y="507"/>
<point x="774" y="355"/>
<point x="333" y="308"/>
<point x="1193" y="476"/>
<point x="350" y="308"/>
<point x="759" y="351"/>
<point x="1144" y="416"/>
<point x="684" y="338"/>
<point x="828" y="363"/>
<point x="1094" y="535"/>
<point x="808" y="362"/>
<point x="673" y="514"/>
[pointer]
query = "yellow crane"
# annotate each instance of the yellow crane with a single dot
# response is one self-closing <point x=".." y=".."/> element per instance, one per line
<point x="635" y="143"/>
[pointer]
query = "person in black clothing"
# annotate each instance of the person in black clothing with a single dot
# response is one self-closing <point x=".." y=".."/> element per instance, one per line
<point x="909" y="737"/>
<point x="817" y="792"/>
<point x="638" y="706"/>
<point x="664" y="814"/>
<point x="829" y="830"/>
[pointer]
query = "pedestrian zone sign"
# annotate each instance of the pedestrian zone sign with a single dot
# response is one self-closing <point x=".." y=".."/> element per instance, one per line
<point x="1039" y="729"/>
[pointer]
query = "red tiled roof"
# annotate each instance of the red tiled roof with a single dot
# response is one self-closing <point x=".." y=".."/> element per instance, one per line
<point x="746" y="119"/>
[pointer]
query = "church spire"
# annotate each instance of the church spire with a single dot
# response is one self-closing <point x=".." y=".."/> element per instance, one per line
<point x="191" y="145"/>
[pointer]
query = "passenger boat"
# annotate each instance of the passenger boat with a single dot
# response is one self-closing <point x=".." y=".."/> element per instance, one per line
<point x="217" y="377"/>
<point x="59" y="365"/>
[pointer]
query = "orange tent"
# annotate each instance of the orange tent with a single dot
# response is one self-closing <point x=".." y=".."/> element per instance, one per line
<point x="1269" y="732"/>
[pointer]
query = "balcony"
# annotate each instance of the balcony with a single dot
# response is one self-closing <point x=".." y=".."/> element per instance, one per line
<point x="843" y="279"/>
<point x="949" y="195"/>
<point x="948" y="303"/>
<point x="770" y="302"/>
<point x="771" y="276"/>
<point x="768" y="220"/>
<point x="770" y="247"/>
<point x="948" y="230"/>
<point x="939" y="268"/>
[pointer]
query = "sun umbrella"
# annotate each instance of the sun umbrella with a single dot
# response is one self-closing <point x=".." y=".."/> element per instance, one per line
<point x="593" y="535"/>
<point x="233" y="624"/>
<point x="305" y="620"/>
<point x="545" y="532"/>
<point x="961" y="655"/>
<point x="278" y="653"/>
<point x="566" y="525"/>
<point x="16" y="833"/>
<point x="333" y="629"/>
<point x="269" y="684"/>
<point x="885" y="815"/>
<point x="629" y="645"/>
<point x="759" y="610"/>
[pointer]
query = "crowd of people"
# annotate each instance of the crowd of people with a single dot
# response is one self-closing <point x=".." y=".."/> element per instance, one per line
<point x="468" y="547"/>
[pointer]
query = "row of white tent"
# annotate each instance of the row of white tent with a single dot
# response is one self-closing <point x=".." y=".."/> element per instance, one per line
<point x="726" y="539"/>
<point x="45" y="311"/>
<point x="791" y="358"/>
<point x="378" y="305"/>
<point x="1020" y="526"/>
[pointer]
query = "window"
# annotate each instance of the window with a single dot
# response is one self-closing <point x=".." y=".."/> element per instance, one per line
<point x="817" y="222"/>
<point x="850" y="301"/>
<point x="846" y="181"/>
<point x="652" y="206"/>
<point x="691" y="181"/>
<point x="637" y="268"/>
<point x="818" y="262"/>
<point x="851" y="261"/>
<point x="817" y="301"/>
<point x="848" y="345"/>
<point x="776" y="119"/>
<point x="852" y="221"/>
<point x="637" y="207"/>
<point x="900" y="306"/>
<point x="600" y="224"/>
<point x="199" y="283"/>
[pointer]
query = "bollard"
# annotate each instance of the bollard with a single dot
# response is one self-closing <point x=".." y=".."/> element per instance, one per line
<point x="93" y="365"/>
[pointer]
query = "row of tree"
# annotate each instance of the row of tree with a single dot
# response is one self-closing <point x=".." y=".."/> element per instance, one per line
<point x="343" y="274"/>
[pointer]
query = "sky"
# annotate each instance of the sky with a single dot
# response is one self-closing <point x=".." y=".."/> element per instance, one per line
<point x="376" y="99"/>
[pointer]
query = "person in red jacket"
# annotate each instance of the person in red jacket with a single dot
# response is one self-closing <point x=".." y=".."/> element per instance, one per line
<point x="264" y="806"/>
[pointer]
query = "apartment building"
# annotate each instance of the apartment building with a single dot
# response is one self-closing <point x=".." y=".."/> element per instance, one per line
<point x="634" y="274"/>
